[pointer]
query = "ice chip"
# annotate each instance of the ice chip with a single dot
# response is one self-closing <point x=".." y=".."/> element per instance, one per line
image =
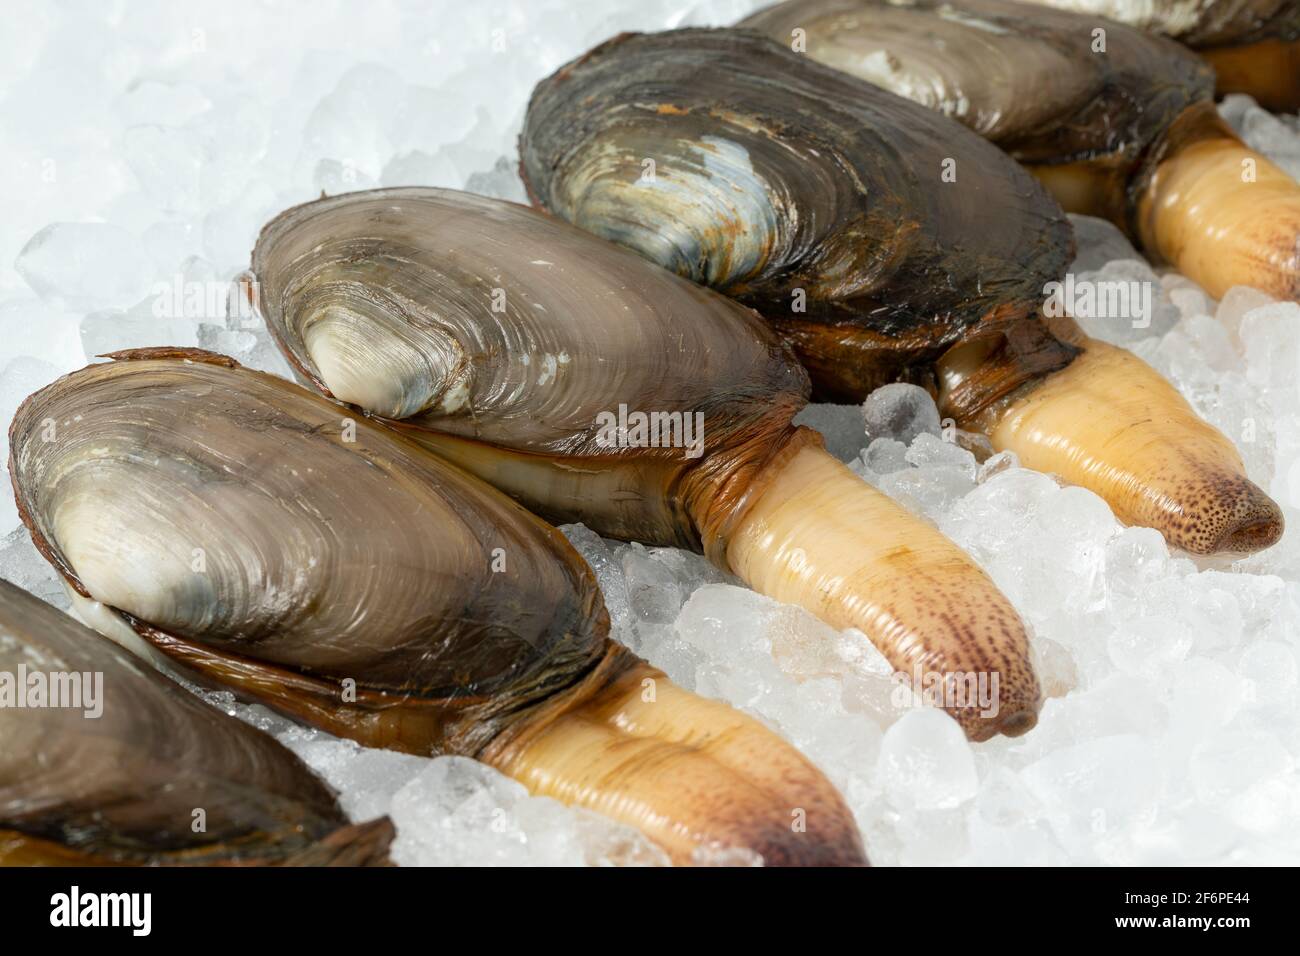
<point x="885" y="456"/>
<point x="653" y="592"/>
<point x="1236" y="303"/>
<point x="1187" y="297"/>
<point x="926" y="763"/>
<point x="609" y="571"/>
<point x="901" y="412"/>
<point x="1149" y="646"/>
<point x="168" y="163"/>
<point x="1230" y="762"/>
<point x="930" y="491"/>
<point x="139" y="327"/>
<point x="1270" y="673"/>
<point x="23" y="565"/>
<point x="80" y="266"/>
<point x="1095" y="791"/>
<point x="1002" y="461"/>
<point x="1271" y="336"/>
<point x="418" y="168"/>
<point x="500" y="182"/>
<point x="1055" y="667"/>
<point x="840" y="425"/>
<point x="1098" y="242"/>
<point x="930" y="451"/>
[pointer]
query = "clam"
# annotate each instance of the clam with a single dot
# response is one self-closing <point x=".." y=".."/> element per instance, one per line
<point x="884" y="241"/>
<point x="1114" y="122"/>
<point x="522" y="349"/>
<point x="260" y="537"/>
<point x="107" y="762"/>
<point x="1253" y="45"/>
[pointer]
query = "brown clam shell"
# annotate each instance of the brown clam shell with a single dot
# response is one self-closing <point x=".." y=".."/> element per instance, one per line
<point x="262" y="536"/>
<point x="507" y="341"/>
<point x="1031" y="80"/>
<point x="118" y="778"/>
<point x="856" y="221"/>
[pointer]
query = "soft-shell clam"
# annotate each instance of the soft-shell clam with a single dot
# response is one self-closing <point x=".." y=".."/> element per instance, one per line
<point x="105" y="761"/>
<point x="1115" y="122"/>
<point x="259" y="536"/>
<point x="509" y="342"/>
<point x="884" y="241"/>
<point x="1253" y="45"/>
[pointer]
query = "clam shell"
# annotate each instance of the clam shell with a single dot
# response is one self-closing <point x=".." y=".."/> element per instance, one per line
<point x="122" y="784"/>
<point x="1028" y="79"/>
<point x="818" y="199"/>
<point x="243" y="524"/>
<point x="506" y="340"/>
<point x="1199" y="23"/>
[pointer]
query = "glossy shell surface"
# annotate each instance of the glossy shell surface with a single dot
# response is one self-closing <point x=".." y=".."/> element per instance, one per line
<point x="245" y="515"/>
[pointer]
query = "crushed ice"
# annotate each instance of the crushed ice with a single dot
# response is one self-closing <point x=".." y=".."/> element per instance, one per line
<point x="146" y="143"/>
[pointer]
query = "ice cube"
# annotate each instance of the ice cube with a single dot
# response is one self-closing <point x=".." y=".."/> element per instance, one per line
<point x="418" y="168"/>
<point x="23" y="565"/>
<point x="1271" y="336"/>
<point x="1236" y="303"/>
<point x="1270" y="672"/>
<point x="840" y="425"/>
<point x="167" y="104"/>
<point x="29" y="328"/>
<point x="1096" y="792"/>
<point x="168" y="163"/>
<point x="1098" y="242"/>
<point x="1188" y="297"/>
<point x="931" y="451"/>
<point x="930" y="491"/>
<point x="501" y="182"/>
<point x="79" y="266"/>
<point x="1269" y="135"/>
<point x="1149" y="646"/>
<point x="457" y="811"/>
<point x="900" y="411"/>
<point x="609" y="571"/>
<point x="138" y="327"/>
<point x="1230" y="761"/>
<point x="926" y="762"/>
<point x="652" y="588"/>
<point x="885" y="456"/>
<point x="1055" y="667"/>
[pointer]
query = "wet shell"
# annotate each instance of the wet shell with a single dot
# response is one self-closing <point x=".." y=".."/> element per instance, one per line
<point x="1030" y="80"/>
<point x="1199" y="23"/>
<point x="506" y="339"/>
<point x="1115" y="122"/>
<point x="259" y="533"/>
<point x="122" y="787"/>
<point x="854" y="219"/>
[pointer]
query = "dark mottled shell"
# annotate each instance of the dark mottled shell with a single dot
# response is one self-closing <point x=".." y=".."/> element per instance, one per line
<point x="1028" y="79"/>
<point x="1198" y="23"/>
<point x="792" y="186"/>
<point x="122" y="787"/>
<point x="499" y="336"/>
<point x="242" y="516"/>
